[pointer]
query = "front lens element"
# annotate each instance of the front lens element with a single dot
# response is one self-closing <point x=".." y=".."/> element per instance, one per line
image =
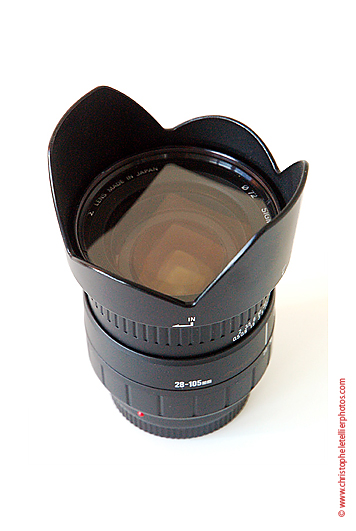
<point x="173" y="222"/>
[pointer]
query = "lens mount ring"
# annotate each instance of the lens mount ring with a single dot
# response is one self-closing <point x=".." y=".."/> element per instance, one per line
<point x="180" y="429"/>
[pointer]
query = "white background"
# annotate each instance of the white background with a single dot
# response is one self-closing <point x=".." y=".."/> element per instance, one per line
<point x="70" y="460"/>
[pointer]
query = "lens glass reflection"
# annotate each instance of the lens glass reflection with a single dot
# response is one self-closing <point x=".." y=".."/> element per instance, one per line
<point x="177" y="234"/>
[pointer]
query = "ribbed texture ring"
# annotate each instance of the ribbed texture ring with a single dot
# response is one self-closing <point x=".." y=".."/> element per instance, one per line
<point x="171" y="341"/>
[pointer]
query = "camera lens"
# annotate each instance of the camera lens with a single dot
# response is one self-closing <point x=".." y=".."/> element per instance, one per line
<point x="178" y="239"/>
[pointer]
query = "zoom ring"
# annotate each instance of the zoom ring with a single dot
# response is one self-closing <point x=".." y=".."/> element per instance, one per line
<point x="178" y="339"/>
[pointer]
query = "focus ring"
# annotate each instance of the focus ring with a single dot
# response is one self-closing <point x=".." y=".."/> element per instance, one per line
<point x="176" y="340"/>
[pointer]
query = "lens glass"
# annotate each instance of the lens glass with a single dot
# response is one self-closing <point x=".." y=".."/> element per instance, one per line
<point x="174" y="221"/>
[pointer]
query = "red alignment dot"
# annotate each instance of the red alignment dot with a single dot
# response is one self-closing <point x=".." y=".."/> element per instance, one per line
<point x="140" y="414"/>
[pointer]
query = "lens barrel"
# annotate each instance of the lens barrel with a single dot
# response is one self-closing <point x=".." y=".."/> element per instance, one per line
<point x="180" y="397"/>
<point x="178" y="238"/>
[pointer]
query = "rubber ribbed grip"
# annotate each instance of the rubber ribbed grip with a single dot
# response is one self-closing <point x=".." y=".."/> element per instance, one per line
<point x="177" y="340"/>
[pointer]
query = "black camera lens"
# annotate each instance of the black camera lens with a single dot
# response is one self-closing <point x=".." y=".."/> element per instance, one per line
<point x="178" y="238"/>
